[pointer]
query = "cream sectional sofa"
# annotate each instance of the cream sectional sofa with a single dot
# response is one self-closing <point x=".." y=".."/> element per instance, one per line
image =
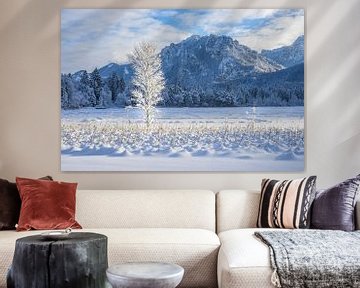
<point x="175" y="226"/>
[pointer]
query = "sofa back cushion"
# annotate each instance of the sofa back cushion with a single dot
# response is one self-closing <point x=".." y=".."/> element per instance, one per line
<point x="236" y="209"/>
<point x="146" y="209"/>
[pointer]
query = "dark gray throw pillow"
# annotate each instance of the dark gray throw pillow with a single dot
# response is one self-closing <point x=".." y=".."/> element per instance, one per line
<point x="334" y="208"/>
<point x="10" y="204"/>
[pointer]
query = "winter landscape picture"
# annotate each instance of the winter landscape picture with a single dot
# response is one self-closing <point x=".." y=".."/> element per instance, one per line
<point x="182" y="90"/>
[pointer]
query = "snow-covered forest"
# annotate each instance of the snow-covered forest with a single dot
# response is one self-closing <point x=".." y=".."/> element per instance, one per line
<point x="207" y="71"/>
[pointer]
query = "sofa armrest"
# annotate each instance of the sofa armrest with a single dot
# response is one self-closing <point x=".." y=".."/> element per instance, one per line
<point x="357" y="215"/>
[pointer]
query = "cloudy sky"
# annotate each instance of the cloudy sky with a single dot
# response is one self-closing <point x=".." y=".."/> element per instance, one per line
<point x="95" y="37"/>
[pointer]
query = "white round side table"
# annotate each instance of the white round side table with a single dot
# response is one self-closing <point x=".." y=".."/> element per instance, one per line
<point x="145" y="275"/>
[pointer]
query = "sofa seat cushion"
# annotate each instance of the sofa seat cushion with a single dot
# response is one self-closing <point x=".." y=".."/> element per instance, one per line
<point x="244" y="261"/>
<point x="194" y="249"/>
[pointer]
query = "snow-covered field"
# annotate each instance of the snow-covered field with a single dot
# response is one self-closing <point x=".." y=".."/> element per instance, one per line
<point x="184" y="139"/>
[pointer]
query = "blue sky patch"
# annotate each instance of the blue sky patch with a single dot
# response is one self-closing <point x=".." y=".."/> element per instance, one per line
<point x="95" y="37"/>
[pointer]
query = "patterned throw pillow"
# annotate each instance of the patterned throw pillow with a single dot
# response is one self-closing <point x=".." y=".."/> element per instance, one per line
<point x="286" y="204"/>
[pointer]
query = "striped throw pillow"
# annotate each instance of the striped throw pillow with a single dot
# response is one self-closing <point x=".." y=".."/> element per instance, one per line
<point x="286" y="204"/>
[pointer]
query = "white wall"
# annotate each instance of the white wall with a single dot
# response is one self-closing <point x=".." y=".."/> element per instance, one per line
<point x="30" y="109"/>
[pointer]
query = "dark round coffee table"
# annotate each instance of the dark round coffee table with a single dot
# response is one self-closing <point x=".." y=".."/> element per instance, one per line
<point x="80" y="261"/>
<point x="145" y="275"/>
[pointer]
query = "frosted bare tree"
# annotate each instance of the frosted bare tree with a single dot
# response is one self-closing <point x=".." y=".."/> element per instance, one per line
<point x="148" y="80"/>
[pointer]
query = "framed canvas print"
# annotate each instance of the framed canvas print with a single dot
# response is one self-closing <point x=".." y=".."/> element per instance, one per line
<point x="182" y="90"/>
